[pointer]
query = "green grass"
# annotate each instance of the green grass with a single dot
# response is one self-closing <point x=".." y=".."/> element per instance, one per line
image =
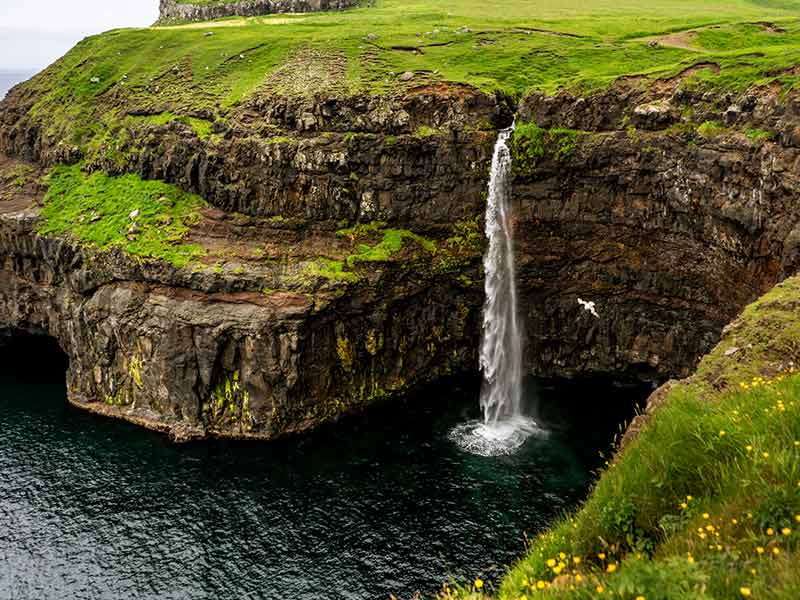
<point x="530" y="143"/>
<point x="182" y="70"/>
<point x="759" y="135"/>
<point x="705" y="502"/>
<point x="391" y="243"/>
<point x="332" y="270"/>
<point x="711" y="129"/>
<point x="95" y="209"/>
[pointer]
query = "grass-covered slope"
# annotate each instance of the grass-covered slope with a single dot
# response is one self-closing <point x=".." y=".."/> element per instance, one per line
<point x="705" y="501"/>
<point x="203" y="69"/>
<point x="148" y="219"/>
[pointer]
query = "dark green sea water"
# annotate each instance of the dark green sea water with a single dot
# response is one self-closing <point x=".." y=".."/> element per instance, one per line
<point x="93" y="508"/>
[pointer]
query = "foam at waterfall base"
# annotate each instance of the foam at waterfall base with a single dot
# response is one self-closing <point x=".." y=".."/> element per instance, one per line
<point x="495" y="439"/>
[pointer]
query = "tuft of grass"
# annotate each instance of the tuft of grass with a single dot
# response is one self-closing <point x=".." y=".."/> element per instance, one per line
<point x="711" y="129"/>
<point x="201" y="127"/>
<point x="424" y="131"/>
<point x="332" y="270"/>
<point x="96" y="210"/>
<point x="759" y="135"/>
<point x="19" y="175"/>
<point x="531" y="143"/>
<point x="391" y="243"/>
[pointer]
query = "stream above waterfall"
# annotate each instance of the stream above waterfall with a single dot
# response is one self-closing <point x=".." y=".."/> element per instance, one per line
<point x="377" y="504"/>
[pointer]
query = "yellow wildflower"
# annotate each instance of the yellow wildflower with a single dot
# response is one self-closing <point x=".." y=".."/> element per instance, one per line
<point x="745" y="591"/>
<point x="551" y="562"/>
<point x="478" y="584"/>
<point x="706" y="515"/>
<point x="540" y="584"/>
<point x="562" y="556"/>
<point x="599" y="589"/>
<point x="749" y="448"/>
<point x="576" y="560"/>
<point x="684" y="506"/>
<point x="640" y="598"/>
<point x="760" y="549"/>
<point x="776" y="551"/>
<point x="765" y="454"/>
<point x="578" y="578"/>
<point x="786" y="531"/>
<point x="601" y="556"/>
<point x="770" y="531"/>
<point x="611" y="568"/>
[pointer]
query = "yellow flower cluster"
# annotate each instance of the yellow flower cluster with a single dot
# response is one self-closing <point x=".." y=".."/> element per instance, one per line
<point x="573" y="571"/>
<point x="759" y="381"/>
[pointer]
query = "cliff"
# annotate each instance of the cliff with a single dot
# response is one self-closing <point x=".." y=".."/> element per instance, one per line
<point x="253" y="234"/>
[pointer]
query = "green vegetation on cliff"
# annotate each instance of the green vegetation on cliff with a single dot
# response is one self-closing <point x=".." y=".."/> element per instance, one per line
<point x="530" y="143"/>
<point x="145" y="218"/>
<point x="704" y="499"/>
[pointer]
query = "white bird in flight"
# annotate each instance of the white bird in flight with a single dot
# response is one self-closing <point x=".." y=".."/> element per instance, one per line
<point x="589" y="307"/>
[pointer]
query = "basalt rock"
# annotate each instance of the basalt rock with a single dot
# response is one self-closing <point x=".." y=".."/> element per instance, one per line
<point x="172" y="11"/>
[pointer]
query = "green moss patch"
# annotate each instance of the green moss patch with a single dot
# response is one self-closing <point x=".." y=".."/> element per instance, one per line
<point x="531" y="143"/>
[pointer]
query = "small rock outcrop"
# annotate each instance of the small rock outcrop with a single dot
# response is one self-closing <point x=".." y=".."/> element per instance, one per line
<point x="172" y="11"/>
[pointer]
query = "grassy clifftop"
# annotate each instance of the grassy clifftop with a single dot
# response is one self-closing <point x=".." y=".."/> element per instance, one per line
<point x="705" y="501"/>
<point x="203" y="69"/>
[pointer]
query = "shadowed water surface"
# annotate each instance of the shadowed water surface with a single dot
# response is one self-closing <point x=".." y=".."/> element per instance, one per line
<point x="92" y="508"/>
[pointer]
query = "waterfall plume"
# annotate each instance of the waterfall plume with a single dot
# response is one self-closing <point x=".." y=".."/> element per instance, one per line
<point x="504" y="427"/>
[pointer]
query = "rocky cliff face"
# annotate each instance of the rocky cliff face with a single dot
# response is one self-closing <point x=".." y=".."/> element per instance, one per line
<point x="205" y="352"/>
<point x="669" y="228"/>
<point x="172" y="11"/>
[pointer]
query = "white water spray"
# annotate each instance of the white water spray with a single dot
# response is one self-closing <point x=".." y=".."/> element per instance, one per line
<point x="504" y="428"/>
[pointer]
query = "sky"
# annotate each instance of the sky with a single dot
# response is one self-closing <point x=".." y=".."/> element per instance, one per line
<point x="34" y="33"/>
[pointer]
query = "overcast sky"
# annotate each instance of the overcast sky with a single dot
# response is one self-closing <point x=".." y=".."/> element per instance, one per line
<point x="35" y="33"/>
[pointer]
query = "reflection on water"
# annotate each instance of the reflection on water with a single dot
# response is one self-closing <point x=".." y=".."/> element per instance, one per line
<point x="93" y="508"/>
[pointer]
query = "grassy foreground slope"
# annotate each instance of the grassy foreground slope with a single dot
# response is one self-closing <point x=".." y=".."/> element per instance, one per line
<point x="705" y="501"/>
<point x="202" y="70"/>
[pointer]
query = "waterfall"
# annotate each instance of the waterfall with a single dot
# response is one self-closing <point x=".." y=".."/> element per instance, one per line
<point x="501" y="347"/>
<point x="504" y="428"/>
